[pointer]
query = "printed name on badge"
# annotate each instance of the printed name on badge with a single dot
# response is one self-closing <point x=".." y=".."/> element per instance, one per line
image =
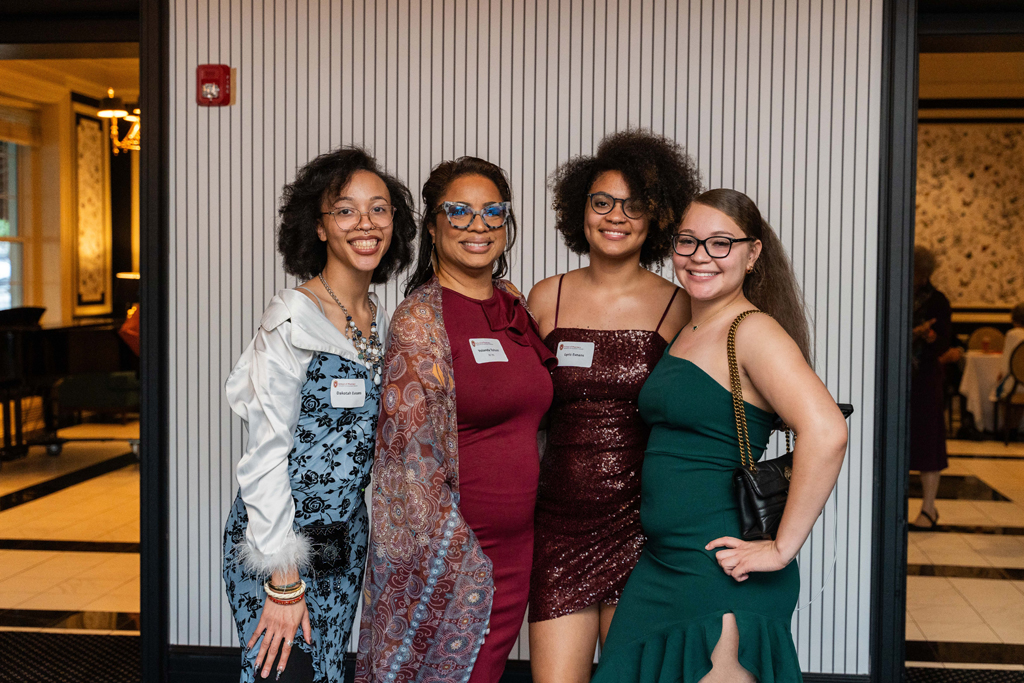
<point x="487" y="351"/>
<point x="348" y="392"/>
<point x="572" y="354"/>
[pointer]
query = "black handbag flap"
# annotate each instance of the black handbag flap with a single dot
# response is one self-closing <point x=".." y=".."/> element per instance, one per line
<point x="772" y="476"/>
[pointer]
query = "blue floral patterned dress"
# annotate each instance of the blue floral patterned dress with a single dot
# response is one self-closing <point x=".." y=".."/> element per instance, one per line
<point x="329" y="468"/>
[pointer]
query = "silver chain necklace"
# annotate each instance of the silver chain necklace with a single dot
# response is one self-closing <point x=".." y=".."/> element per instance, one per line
<point x="370" y="349"/>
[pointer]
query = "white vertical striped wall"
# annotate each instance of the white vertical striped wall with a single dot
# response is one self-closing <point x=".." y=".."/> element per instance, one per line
<point x="778" y="98"/>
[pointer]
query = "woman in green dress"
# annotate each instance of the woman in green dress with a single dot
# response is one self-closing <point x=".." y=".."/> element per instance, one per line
<point x="702" y="605"/>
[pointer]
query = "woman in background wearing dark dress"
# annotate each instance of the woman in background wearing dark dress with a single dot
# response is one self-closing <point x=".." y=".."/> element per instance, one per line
<point x="609" y="323"/>
<point x="931" y="339"/>
<point x="466" y="385"/>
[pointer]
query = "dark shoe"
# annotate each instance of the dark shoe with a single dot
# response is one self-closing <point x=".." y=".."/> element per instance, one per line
<point x="934" y="522"/>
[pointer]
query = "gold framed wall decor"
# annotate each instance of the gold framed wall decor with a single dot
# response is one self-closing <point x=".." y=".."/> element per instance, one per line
<point x="92" y="242"/>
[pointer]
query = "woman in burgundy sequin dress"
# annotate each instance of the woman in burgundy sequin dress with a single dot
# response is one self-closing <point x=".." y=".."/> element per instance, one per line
<point x="466" y="385"/>
<point x="609" y="324"/>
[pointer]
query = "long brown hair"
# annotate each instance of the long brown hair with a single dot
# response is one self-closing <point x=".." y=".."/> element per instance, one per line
<point x="771" y="285"/>
<point x="441" y="177"/>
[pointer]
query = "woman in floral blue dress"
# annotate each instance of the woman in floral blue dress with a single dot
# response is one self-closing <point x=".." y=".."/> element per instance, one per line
<point x="308" y="388"/>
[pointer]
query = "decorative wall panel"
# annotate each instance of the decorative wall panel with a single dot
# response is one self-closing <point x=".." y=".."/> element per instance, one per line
<point x="778" y="98"/>
<point x="970" y="209"/>
<point x="92" y="246"/>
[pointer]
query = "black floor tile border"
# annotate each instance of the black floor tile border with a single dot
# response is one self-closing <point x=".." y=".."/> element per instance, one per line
<point x="68" y="546"/>
<point x="45" y="488"/>
<point x="98" y="621"/>
<point x="1002" y="573"/>
<point x="964" y="653"/>
<point x="958" y="487"/>
<point x="973" y="529"/>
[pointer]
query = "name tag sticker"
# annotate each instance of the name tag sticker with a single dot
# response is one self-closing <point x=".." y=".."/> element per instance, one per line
<point x="572" y="354"/>
<point x="487" y="351"/>
<point x="348" y="393"/>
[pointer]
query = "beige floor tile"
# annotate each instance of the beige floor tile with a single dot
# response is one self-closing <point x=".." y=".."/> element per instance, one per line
<point x="929" y="591"/>
<point x="85" y="587"/>
<point x="913" y="631"/>
<point x="16" y="561"/>
<point x="1002" y="513"/>
<point x="958" y="447"/>
<point x="961" y="633"/>
<point x="115" y="603"/>
<point x="917" y="556"/>
<point x="10" y="599"/>
<point x="948" y="549"/>
<point x="954" y="512"/>
<point x="999" y="550"/>
<point x="961" y="613"/>
<point x="1010" y="632"/>
<point x="120" y="566"/>
<point x="56" y="601"/>
<point x="989" y="667"/>
<point x="990" y="595"/>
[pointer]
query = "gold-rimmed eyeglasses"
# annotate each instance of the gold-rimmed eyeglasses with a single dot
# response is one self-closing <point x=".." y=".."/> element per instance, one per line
<point x="348" y="217"/>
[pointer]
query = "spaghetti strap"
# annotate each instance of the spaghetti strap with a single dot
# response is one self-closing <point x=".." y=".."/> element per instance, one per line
<point x="667" y="309"/>
<point x="558" y="299"/>
<point x="315" y="298"/>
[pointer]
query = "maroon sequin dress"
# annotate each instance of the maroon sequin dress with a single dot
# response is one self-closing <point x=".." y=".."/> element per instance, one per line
<point x="587" y="523"/>
<point x="499" y="407"/>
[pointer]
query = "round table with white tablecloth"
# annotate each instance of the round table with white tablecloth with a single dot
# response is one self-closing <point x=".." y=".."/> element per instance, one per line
<point x="981" y="375"/>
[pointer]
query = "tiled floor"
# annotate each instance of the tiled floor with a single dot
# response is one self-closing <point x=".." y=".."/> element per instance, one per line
<point x="946" y="605"/>
<point x="92" y="586"/>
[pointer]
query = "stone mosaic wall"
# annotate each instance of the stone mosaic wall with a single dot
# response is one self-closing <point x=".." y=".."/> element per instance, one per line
<point x="970" y="192"/>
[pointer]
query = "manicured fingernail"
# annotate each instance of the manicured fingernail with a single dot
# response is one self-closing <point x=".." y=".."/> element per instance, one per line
<point x="278" y="676"/>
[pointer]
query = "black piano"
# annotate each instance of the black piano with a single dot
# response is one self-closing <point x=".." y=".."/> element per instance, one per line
<point x="35" y="360"/>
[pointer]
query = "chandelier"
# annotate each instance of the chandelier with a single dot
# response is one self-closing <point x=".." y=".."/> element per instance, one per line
<point x="113" y="108"/>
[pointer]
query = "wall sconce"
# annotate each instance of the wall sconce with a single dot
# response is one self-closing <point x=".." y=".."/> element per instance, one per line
<point x="113" y="108"/>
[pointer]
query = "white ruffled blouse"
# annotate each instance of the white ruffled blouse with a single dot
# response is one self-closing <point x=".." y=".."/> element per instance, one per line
<point x="264" y="389"/>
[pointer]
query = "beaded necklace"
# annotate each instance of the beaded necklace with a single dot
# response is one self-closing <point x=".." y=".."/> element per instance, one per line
<point x="370" y="349"/>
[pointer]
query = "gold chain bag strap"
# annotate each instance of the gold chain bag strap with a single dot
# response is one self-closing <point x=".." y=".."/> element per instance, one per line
<point x="761" y="490"/>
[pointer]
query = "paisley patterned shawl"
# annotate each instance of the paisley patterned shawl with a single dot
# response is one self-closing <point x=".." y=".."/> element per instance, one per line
<point x="428" y="589"/>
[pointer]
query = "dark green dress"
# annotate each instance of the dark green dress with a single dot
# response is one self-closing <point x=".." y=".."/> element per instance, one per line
<point x="669" y="617"/>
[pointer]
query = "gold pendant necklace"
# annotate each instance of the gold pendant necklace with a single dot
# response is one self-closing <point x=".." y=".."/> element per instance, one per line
<point x="712" y="317"/>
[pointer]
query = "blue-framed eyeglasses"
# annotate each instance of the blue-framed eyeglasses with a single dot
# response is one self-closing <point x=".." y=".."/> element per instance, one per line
<point x="493" y="215"/>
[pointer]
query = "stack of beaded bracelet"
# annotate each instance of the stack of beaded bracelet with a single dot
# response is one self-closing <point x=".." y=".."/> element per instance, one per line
<point x="285" y="595"/>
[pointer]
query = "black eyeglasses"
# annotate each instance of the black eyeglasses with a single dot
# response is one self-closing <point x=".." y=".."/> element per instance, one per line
<point x="603" y="203"/>
<point x="716" y="247"/>
<point x="461" y="215"/>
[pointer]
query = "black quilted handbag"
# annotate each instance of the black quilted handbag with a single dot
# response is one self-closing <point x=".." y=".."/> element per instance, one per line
<point x="761" y="489"/>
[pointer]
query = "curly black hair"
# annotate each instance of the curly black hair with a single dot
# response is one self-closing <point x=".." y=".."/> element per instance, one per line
<point x="659" y="173"/>
<point x="302" y="251"/>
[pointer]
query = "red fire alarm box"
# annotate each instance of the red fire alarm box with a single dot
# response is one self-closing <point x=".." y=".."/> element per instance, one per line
<point x="213" y="85"/>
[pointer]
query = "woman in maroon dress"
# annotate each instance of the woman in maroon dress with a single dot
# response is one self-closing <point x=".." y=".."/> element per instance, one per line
<point x="455" y="477"/>
<point x="609" y="324"/>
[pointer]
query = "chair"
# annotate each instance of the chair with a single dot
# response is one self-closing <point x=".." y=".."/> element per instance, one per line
<point x="986" y="339"/>
<point x="1012" y="402"/>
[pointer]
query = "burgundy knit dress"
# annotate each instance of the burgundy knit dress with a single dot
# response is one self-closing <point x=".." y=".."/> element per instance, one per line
<point x="500" y="405"/>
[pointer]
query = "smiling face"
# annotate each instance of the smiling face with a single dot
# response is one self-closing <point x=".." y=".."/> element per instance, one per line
<point x="363" y="246"/>
<point x="705" y="278"/>
<point x="613" y="234"/>
<point x="475" y="249"/>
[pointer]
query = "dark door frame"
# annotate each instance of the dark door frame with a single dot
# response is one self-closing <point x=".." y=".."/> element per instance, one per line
<point x="896" y="201"/>
<point x="898" y="127"/>
<point x="154" y="298"/>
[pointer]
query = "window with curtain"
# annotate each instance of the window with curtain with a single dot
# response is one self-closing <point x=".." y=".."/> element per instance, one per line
<point x="10" y="239"/>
